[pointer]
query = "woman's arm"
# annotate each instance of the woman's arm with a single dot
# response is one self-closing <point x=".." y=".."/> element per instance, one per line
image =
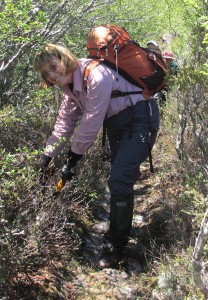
<point x="66" y="121"/>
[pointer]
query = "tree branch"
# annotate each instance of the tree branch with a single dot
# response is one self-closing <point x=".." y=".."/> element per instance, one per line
<point x="197" y="254"/>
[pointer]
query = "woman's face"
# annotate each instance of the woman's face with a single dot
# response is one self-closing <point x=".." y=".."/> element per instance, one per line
<point x="54" y="72"/>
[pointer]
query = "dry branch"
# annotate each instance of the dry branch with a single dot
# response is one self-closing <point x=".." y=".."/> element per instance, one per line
<point x="197" y="254"/>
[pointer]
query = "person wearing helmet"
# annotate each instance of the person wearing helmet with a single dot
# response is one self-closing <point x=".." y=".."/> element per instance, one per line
<point x="154" y="46"/>
<point x="168" y="58"/>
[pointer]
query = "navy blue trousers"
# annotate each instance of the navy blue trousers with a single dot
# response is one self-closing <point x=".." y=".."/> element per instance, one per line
<point x="130" y="134"/>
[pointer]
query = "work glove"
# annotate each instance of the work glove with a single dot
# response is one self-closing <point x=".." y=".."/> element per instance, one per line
<point x="47" y="169"/>
<point x="72" y="159"/>
<point x="66" y="172"/>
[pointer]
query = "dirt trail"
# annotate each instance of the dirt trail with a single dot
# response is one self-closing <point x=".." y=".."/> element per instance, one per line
<point x="145" y="241"/>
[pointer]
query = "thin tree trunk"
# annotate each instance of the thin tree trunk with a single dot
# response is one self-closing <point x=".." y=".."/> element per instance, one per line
<point x="197" y="254"/>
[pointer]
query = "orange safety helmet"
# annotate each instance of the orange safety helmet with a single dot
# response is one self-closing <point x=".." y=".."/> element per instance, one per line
<point x="167" y="54"/>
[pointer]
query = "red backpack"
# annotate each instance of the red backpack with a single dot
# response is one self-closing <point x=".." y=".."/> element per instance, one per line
<point x="112" y="45"/>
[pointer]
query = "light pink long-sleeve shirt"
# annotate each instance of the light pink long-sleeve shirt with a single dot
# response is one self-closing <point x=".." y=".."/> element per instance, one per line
<point x="93" y="106"/>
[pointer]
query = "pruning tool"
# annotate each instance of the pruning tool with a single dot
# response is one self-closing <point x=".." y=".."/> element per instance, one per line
<point x="67" y="175"/>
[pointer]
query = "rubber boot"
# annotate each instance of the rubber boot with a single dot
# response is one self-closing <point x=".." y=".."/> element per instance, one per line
<point x="121" y="213"/>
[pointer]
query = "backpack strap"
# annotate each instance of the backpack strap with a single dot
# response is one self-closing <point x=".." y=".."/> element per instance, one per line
<point x="115" y="94"/>
<point x="88" y="69"/>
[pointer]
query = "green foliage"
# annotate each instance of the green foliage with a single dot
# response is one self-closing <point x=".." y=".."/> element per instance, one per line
<point x="15" y="172"/>
<point x="204" y="20"/>
<point x="193" y="202"/>
<point x="174" y="280"/>
<point x="20" y="23"/>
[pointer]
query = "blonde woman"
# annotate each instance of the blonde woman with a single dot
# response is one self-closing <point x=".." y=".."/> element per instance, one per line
<point x="132" y="124"/>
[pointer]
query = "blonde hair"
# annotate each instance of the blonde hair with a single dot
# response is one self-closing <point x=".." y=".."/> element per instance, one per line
<point x="68" y="60"/>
